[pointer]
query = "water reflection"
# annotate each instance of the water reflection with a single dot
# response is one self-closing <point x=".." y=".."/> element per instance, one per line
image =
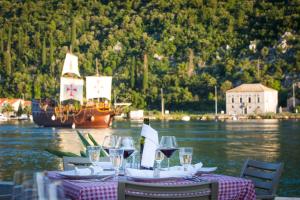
<point x="256" y="139"/>
<point x="68" y="139"/>
<point x="223" y="144"/>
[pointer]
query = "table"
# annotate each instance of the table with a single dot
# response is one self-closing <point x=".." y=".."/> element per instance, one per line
<point x="230" y="188"/>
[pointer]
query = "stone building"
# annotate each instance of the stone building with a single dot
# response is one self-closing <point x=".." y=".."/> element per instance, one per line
<point x="251" y="99"/>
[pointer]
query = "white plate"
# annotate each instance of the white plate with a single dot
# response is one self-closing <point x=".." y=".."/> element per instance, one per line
<point x="85" y="174"/>
<point x="139" y="178"/>
<point x="148" y="174"/>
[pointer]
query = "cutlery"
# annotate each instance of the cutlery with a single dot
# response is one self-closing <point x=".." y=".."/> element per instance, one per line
<point x="194" y="179"/>
<point x="93" y="180"/>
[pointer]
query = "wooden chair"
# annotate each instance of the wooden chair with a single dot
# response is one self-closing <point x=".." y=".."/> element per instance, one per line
<point x="128" y="190"/>
<point x="6" y="190"/>
<point x="69" y="163"/>
<point x="264" y="175"/>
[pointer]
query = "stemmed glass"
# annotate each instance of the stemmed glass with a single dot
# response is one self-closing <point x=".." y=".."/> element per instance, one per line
<point x="159" y="156"/>
<point x="126" y="143"/>
<point x="168" y="146"/>
<point x="116" y="157"/>
<point x="94" y="154"/>
<point x="110" y="141"/>
<point x="185" y="156"/>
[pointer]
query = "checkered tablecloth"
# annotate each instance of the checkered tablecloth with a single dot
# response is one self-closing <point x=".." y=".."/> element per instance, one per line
<point x="230" y="188"/>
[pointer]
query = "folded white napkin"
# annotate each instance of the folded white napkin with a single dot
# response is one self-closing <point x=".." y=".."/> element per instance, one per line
<point x="92" y="170"/>
<point x="195" y="167"/>
<point x="104" y="165"/>
<point x="150" y="145"/>
<point x="137" y="173"/>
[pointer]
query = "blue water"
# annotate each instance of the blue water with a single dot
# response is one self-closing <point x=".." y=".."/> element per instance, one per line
<point x="223" y="144"/>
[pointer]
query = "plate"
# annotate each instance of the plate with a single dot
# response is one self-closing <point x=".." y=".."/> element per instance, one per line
<point x="85" y="173"/>
<point x="138" y="178"/>
<point x="147" y="175"/>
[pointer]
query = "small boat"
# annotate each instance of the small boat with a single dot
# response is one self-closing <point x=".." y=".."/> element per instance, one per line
<point x="234" y="117"/>
<point x="23" y="117"/>
<point x="3" y="118"/>
<point x="186" y="118"/>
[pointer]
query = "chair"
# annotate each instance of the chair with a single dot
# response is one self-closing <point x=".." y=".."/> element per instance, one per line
<point x="128" y="190"/>
<point x="265" y="177"/>
<point x="6" y="190"/>
<point x="69" y="163"/>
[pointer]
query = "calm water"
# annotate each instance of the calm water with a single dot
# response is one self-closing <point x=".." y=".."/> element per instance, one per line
<point x="222" y="144"/>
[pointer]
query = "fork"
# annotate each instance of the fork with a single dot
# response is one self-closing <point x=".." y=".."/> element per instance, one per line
<point x="194" y="178"/>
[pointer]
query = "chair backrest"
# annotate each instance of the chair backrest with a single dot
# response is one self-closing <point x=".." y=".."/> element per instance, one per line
<point x="69" y="163"/>
<point x="6" y="190"/>
<point x="128" y="190"/>
<point x="264" y="175"/>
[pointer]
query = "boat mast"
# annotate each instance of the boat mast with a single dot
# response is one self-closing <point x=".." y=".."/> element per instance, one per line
<point x="97" y="74"/>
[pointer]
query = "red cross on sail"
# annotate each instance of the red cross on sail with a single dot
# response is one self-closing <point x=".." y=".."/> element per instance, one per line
<point x="71" y="88"/>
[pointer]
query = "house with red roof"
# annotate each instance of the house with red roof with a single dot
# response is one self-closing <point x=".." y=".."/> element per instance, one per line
<point x="15" y="103"/>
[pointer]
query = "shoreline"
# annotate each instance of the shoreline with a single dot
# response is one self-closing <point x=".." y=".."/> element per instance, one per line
<point x="185" y="116"/>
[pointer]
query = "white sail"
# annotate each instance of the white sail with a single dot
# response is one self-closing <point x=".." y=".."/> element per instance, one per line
<point x="71" y="88"/>
<point x="71" y="65"/>
<point x="98" y="87"/>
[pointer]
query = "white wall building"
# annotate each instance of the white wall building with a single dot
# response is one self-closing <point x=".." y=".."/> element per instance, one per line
<point x="251" y="99"/>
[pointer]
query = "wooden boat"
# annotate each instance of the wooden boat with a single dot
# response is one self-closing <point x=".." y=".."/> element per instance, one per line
<point x="72" y="110"/>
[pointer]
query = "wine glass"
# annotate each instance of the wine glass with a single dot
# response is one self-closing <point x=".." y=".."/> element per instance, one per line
<point x="127" y="144"/>
<point x="116" y="157"/>
<point x="94" y="154"/>
<point x="110" y="141"/>
<point x="159" y="156"/>
<point x="185" y="156"/>
<point x="168" y="146"/>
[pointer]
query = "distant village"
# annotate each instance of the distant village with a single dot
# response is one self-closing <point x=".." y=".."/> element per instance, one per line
<point x="246" y="99"/>
<point x="14" y="109"/>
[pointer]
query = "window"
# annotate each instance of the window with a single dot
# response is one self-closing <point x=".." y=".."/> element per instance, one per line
<point x="258" y="99"/>
<point x="241" y="100"/>
<point x="232" y="100"/>
<point x="249" y="99"/>
<point x="232" y="106"/>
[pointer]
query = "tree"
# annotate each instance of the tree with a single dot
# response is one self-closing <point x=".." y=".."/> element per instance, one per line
<point x="20" y="42"/>
<point x="190" y="70"/>
<point x="73" y="34"/>
<point x="44" y="53"/>
<point x="20" y="110"/>
<point x="7" y="63"/>
<point x="132" y="73"/>
<point x="145" y="73"/>
<point x="51" y="54"/>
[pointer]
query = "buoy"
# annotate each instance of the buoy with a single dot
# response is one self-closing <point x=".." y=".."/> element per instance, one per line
<point x="73" y="126"/>
<point x="53" y="117"/>
<point x="92" y="118"/>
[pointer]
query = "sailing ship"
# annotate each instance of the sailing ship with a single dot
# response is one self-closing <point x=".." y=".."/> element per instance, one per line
<point x="72" y="110"/>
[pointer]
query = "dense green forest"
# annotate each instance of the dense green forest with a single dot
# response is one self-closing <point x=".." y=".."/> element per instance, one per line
<point x="185" y="47"/>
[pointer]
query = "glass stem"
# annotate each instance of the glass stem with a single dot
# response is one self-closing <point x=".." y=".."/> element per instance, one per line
<point x="168" y="164"/>
<point x="124" y="165"/>
<point x="116" y="173"/>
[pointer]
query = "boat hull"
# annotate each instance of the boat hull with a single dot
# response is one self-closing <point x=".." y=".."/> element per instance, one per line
<point x="85" y="118"/>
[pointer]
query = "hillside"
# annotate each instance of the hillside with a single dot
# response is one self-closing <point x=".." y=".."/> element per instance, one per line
<point x="184" y="47"/>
